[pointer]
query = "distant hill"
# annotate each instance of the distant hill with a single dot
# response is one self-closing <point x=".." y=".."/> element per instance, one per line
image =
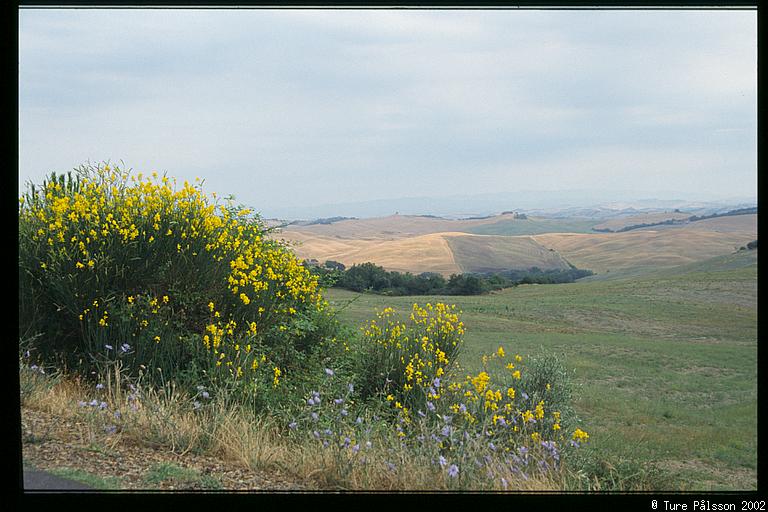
<point x="408" y="243"/>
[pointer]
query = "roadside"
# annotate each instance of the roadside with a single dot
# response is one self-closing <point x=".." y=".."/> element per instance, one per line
<point x="56" y="453"/>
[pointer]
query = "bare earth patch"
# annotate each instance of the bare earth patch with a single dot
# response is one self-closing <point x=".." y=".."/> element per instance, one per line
<point x="50" y="443"/>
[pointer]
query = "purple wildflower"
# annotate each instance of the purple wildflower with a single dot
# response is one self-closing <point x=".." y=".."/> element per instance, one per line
<point x="108" y="347"/>
<point x="329" y="372"/>
<point x="99" y="386"/>
<point x="292" y="425"/>
<point x="453" y="471"/>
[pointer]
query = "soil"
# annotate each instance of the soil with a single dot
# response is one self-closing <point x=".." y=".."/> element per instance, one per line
<point x="53" y="443"/>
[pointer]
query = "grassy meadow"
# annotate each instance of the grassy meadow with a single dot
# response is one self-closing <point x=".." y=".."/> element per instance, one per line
<point x="665" y="363"/>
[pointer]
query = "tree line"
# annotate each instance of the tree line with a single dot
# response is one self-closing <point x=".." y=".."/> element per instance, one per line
<point x="371" y="278"/>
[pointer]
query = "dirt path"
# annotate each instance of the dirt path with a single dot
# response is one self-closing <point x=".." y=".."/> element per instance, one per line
<point x="50" y="443"/>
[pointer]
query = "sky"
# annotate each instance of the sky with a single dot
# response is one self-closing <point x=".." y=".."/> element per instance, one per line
<point x="289" y="109"/>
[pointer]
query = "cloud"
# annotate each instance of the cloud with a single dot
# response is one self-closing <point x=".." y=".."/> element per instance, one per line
<point x="346" y="104"/>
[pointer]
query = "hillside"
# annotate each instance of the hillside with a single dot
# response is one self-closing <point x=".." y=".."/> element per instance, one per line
<point x="432" y="244"/>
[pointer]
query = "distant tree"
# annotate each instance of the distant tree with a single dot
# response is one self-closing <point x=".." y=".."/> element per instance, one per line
<point x="334" y="265"/>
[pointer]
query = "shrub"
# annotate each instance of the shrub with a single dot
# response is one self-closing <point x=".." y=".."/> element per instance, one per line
<point x="116" y="264"/>
<point x="401" y="359"/>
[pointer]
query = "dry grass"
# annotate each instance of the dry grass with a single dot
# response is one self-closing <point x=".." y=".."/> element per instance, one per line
<point x="653" y="247"/>
<point x="163" y="421"/>
<point x="410" y="244"/>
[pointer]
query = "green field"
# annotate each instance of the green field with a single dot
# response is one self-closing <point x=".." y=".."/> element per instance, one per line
<point x="665" y="363"/>
<point x="534" y="226"/>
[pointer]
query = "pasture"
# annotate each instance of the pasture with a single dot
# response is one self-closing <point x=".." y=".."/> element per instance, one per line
<point x="665" y="362"/>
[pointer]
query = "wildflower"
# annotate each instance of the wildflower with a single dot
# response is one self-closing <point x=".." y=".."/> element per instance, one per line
<point x="500" y="352"/>
<point x="99" y="386"/>
<point x="580" y="436"/>
<point x="343" y="412"/>
<point x="293" y="425"/>
<point x="431" y="406"/>
<point x="108" y="347"/>
<point x="338" y="401"/>
<point x="111" y="429"/>
<point x="442" y="461"/>
<point x="205" y="395"/>
<point x="125" y="348"/>
<point x="315" y="416"/>
<point x="196" y="404"/>
<point x="329" y="372"/>
<point x="453" y="471"/>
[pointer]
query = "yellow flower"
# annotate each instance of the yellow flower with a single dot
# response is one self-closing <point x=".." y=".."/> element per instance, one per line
<point x="500" y="352"/>
<point x="580" y="436"/>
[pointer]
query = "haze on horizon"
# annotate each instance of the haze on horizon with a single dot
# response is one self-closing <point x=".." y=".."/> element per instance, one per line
<point x="291" y="109"/>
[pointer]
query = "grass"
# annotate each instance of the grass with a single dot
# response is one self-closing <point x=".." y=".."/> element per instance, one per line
<point x="534" y="226"/>
<point x="89" y="479"/>
<point x="666" y="363"/>
<point x="176" y="475"/>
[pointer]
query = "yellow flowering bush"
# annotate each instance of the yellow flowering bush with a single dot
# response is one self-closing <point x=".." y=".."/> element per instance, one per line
<point x="111" y="258"/>
<point x="402" y="358"/>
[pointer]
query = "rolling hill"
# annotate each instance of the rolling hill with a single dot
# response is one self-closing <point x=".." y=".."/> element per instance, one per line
<point x="433" y="244"/>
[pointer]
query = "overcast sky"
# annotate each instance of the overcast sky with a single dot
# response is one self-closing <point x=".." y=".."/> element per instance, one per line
<point x="307" y="107"/>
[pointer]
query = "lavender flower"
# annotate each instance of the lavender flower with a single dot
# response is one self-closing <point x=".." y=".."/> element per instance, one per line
<point x="99" y="386"/>
<point x="315" y="416"/>
<point x="338" y="401"/>
<point x="108" y="347"/>
<point x="329" y="372"/>
<point x="453" y="471"/>
<point x="103" y="405"/>
<point x="431" y="406"/>
<point x="292" y="425"/>
<point x="205" y="395"/>
<point x="343" y="412"/>
<point x="442" y="461"/>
